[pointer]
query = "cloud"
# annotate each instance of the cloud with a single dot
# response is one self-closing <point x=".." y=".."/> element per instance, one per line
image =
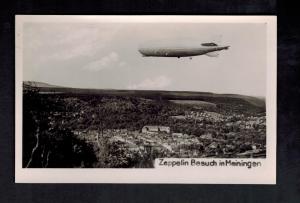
<point x="109" y="61"/>
<point x="158" y="82"/>
<point x="122" y="63"/>
<point x="63" y="41"/>
<point x="87" y="49"/>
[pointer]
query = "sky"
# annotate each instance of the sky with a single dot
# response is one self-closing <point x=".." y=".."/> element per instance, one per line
<point x="105" y="56"/>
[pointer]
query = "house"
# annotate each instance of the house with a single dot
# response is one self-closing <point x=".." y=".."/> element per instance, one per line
<point x="155" y="129"/>
<point x="213" y="145"/>
<point x="177" y="134"/>
<point x="207" y="136"/>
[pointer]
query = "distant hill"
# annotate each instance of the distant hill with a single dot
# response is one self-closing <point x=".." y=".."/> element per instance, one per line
<point x="151" y="94"/>
<point x="256" y="101"/>
<point x="38" y="84"/>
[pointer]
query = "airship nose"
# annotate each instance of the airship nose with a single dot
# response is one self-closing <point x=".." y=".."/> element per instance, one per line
<point x="226" y="47"/>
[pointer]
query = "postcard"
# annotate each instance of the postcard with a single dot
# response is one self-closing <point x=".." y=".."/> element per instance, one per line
<point x="145" y="99"/>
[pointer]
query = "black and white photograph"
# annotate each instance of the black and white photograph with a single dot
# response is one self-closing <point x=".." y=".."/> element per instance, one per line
<point x="140" y="93"/>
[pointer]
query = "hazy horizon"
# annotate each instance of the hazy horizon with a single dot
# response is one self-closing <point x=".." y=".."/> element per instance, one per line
<point x="105" y="56"/>
<point x="58" y="86"/>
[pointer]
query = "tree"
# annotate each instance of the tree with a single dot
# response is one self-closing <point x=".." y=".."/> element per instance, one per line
<point x="47" y="139"/>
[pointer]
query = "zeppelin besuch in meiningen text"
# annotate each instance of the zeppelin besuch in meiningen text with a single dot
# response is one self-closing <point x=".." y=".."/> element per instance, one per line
<point x="207" y="163"/>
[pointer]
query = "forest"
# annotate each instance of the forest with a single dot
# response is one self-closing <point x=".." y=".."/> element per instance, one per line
<point x="51" y="120"/>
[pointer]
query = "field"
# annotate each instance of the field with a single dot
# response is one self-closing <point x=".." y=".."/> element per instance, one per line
<point x="69" y="127"/>
<point x="195" y="103"/>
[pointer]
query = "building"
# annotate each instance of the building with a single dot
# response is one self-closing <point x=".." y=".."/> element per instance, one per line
<point x="155" y="129"/>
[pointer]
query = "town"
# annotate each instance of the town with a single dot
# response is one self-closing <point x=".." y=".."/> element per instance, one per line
<point x="160" y="141"/>
<point x="126" y="132"/>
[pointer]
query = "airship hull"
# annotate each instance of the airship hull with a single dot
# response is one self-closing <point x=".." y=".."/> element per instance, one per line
<point x="178" y="52"/>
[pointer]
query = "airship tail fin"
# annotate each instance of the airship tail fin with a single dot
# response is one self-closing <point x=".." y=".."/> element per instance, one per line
<point x="213" y="54"/>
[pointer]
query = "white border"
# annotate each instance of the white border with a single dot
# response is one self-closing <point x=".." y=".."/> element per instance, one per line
<point x="210" y="175"/>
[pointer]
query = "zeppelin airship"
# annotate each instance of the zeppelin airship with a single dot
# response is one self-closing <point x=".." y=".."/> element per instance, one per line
<point x="210" y="49"/>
